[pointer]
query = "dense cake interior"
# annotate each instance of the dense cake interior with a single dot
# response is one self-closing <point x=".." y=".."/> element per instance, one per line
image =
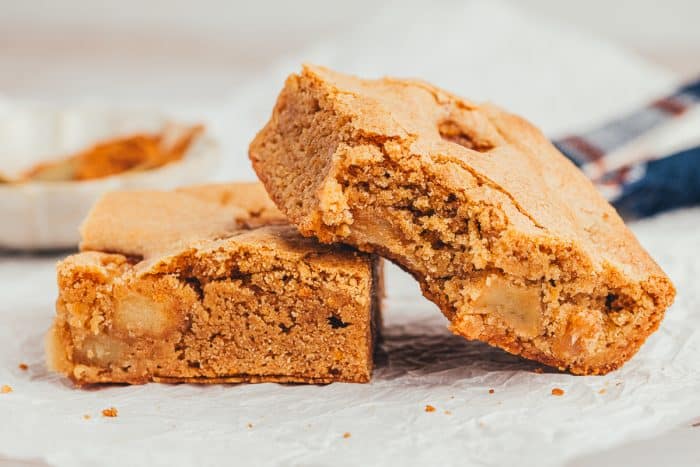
<point x="262" y="305"/>
<point x="495" y="272"/>
<point x="534" y="296"/>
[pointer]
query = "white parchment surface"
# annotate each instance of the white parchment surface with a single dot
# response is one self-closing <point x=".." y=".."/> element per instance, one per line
<point x="562" y="79"/>
<point x="419" y="363"/>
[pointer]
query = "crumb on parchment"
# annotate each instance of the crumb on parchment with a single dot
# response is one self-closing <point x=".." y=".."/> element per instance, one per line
<point x="447" y="412"/>
<point x="86" y="416"/>
<point x="23" y="366"/>
<point x="346" y="435"/>
<point x="602" y="391"/>
<point x="491" y="391"/>
<point x="110" y="412"/>
<point x="557" y="392"/>
<point x="429" y="408"/>
<point x="249" y="425"/>
<point x="5" y="389"/>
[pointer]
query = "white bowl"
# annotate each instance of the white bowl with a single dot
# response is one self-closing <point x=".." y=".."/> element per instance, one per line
<point x="46" y="215"/>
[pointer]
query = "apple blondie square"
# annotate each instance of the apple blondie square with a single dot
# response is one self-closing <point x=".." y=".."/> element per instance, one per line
<point x="211" y="284"/>
<point x="504" y="234"/>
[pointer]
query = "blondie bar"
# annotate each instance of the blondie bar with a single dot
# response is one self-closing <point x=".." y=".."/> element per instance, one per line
<point x="510" y="240"/>
<point x="210" y="284"/>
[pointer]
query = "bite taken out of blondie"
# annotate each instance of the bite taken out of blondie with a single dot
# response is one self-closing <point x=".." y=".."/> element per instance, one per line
<point x="211" y="284"/>
<point x="508" y="237"/>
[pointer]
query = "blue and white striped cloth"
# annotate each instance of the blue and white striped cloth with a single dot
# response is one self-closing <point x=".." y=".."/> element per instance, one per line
<point x="647" y="161"/>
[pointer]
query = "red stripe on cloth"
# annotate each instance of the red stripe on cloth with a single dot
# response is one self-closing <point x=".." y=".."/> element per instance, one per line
<point x="622" y="175"/>
<point x="591" y="152"/>
<point x="617" y="178"/>
<point x="670" y="106"/>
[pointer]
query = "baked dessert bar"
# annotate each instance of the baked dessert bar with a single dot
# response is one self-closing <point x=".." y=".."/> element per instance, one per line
<point x="210" y="284"/>
<point x="510" y="240"/>
<point x="258" y="208"/>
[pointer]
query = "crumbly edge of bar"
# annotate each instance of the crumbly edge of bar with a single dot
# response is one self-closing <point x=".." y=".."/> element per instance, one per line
<point x="98" y="314"/>
<point x="595" y="315"/>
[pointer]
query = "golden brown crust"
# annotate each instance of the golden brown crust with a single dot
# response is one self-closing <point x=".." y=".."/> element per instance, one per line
<point x="209" y="304"/>
<point x="147" y="223"/>
<point x="252" y="196"/>
<point x="475" y="203"/>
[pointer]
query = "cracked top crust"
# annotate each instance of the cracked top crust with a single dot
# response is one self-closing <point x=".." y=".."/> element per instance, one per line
<point x="158" y="226"/>
<point x="147" y="223"/>
<point x="251" y="197"/>
<point x="541" y="192"/>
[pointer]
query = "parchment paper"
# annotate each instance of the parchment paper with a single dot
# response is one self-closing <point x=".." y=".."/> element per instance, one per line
<point x="419" y="363"/>
<point x="561" y="79"/>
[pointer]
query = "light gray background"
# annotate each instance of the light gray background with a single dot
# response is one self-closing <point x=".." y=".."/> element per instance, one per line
<point x="169" y="52"/>
<point x="135" y="48"/>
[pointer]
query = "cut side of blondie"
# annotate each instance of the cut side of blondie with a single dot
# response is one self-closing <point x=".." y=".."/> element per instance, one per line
<point x="175" y="289"/>
<point x="502" y="232"/>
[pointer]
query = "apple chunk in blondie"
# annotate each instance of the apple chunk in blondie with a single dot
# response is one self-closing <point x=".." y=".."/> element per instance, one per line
<point x="187" y="286"/>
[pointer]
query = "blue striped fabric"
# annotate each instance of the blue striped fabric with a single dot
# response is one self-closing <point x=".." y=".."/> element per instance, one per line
<point x="667" y="183"/>
<point x="648" y="183"/>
